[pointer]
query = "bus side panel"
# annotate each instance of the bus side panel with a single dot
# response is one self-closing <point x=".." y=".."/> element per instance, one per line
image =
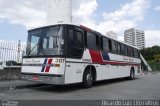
<point x="119" y="67"/>
<point x="116" y="70"/>
<point x="76" y="67"/>
<point x="74" y="72"/>
<point x="137" y="69"/>
<point x="111" y="72"/>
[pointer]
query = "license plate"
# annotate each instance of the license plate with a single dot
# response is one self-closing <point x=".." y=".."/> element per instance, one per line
<point x="35" y="78"/>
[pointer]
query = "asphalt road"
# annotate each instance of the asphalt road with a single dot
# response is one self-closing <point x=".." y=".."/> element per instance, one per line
<point x="145" y="87"/>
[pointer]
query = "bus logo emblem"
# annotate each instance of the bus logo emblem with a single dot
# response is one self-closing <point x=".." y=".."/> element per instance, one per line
<point x="46" y="65"/>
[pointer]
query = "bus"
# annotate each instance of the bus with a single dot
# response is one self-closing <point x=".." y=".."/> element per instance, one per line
<point x="65" y="54"/>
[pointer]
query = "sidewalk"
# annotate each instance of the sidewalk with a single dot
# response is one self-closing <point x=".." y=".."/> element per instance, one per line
<point x="8" y="83"/>
<point x="17" y="84"/>
<point x="150" y="72"/>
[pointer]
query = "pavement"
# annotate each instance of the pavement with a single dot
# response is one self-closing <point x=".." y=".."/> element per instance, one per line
<point x="144" y="87"/>
<point x="26" y="93"/>
<point x="8" y="85"/>
<point x="22" y="84"/>
<point x="148" y="73"/>
<point x="19" y="84"/>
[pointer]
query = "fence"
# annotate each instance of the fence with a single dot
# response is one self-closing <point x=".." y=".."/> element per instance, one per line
<point x="10" y="50"/>
<point x="155" y="66"/>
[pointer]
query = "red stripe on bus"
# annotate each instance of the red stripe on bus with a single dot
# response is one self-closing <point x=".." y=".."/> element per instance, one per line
<point x="48" y="67"/>
<point x="97" y="58"/>
<point x="120" y="63"/>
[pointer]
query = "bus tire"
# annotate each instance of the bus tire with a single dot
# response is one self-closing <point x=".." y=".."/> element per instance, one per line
<point x="87" y="79"/>
<point x="132" y="74"/>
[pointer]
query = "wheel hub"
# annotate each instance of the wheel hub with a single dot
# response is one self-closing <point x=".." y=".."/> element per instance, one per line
<point x="89" y="78"/>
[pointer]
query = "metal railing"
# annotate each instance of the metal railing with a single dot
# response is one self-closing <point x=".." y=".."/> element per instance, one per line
<point x="155" y="66"/>
<point x="11" y="51"/>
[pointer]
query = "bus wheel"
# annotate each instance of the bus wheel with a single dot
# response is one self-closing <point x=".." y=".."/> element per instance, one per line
<point x="132" y="74"/>
<point x="87" y="79"/>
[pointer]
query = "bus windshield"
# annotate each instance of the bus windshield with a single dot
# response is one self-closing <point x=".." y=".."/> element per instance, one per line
<point x="46" y="41"/>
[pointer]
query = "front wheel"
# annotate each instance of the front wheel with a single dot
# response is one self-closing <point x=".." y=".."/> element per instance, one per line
<point x="87" y="79"/>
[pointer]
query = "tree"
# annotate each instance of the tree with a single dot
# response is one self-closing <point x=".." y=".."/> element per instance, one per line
<point x="151" y="53"/>
<point x="157" y="58"/>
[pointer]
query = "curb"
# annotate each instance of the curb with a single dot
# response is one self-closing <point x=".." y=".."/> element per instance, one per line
<point x="149" y="73"/>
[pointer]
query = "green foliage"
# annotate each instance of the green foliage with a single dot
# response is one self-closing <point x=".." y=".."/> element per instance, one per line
<point x="151" y="53"/>
<point x="155" y="66"/>
<point x="157" y="58"/>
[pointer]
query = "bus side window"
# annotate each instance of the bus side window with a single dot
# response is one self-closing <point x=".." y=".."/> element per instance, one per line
<point x="114" y="47"/>
<point x="105" y="44"/>
<point x="122" y="49"/>
<point x="130" y="52"/>
<point x="97" y="42"/>
<point x="75" y="43"/>
<point x="136" y="53"/>
<point x="126" y="50"/>
<point x="79" y="40"/>
<point x="110" y="45"/>
<point x="92" y="41"/>
<point x="119" y="48"/>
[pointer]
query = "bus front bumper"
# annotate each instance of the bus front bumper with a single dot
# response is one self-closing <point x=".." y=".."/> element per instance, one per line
<point x="49" y="79"/>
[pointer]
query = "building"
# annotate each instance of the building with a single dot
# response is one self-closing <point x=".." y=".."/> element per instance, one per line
<point x="111" y="34"/>
<point x="135" y="37"/>
<point x="59" y="11"/>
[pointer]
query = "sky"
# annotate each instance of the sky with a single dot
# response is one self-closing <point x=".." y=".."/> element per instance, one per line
<point x="17" y="16"/>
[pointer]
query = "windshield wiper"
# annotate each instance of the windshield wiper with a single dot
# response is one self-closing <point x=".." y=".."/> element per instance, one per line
<point x="33" y="49"/>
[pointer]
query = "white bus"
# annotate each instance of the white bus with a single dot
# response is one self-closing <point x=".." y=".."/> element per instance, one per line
<point x="65" y="54"/>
